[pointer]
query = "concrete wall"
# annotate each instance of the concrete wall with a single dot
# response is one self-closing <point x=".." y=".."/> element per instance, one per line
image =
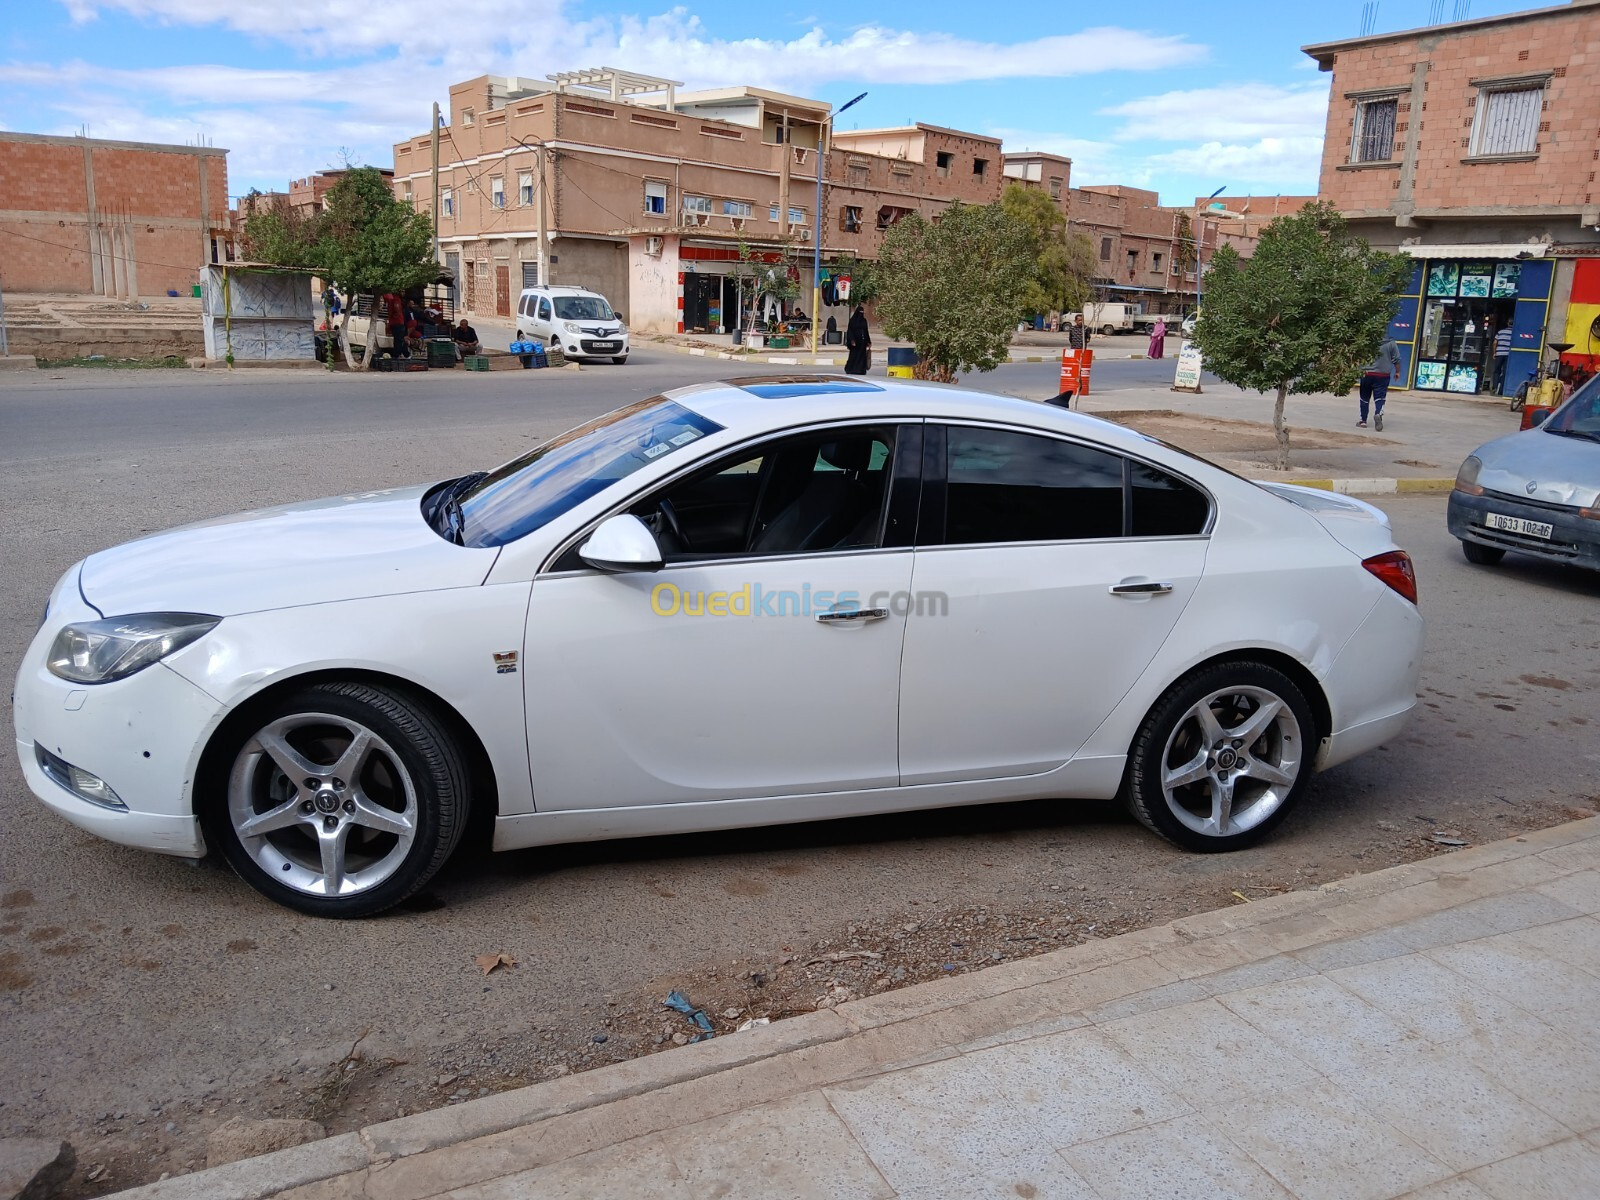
<point x="653" y="287"/>
<point x="599" y="266"/>
<point x="57" y="342"/>
<point x="107" y="218"/>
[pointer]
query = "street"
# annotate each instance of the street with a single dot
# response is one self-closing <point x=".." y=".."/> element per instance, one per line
<point x="146" y="999"/>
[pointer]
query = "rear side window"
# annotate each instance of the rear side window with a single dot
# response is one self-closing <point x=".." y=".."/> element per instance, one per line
<point x="1005" y="486"/>
<point x="1164" y="505"/>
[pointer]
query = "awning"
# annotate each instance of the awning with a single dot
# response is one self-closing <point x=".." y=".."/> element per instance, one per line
<point x="1478" y="250"/>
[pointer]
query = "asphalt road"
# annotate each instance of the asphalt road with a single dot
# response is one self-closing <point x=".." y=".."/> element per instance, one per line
<point x="135" y="984"/>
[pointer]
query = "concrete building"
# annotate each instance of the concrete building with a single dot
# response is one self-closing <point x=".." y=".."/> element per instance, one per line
<point x="1472" y="146"/>
<point x="1240" y="219"/>
<point x="1144" y="256"/>
<point x="93" y="217"/>
<point x="625" y="184"/>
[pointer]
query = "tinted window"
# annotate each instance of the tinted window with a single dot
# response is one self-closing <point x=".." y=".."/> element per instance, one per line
<point x="1019" y="487"/>
<point x="530" y="491"/>
<point x="1165" y="506"/>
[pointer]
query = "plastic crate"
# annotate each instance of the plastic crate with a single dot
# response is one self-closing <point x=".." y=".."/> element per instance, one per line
<point x="476" y="362"/>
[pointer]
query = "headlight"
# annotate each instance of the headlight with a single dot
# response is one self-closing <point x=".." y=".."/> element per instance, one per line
<point x="571" y="327"/>
<point x="1467" y="476"/>
<point x="100" y="651"/>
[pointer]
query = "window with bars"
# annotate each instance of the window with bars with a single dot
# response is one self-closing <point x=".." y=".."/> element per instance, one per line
<point x="1374" y="131"/>
<point x="1507" y="120"/>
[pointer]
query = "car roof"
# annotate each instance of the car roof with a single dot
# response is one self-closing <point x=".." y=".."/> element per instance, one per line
<point x="570" y="289"/>
<point x="769" y="403"/>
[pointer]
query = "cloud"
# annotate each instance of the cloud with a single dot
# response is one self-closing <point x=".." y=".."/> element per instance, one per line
<point x="1229" y="113"/>
<point x="1092" y="161"/>
<point x="1287" y="165"/>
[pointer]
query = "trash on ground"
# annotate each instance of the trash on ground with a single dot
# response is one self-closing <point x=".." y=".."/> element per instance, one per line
<point x="752" y="1023"/>
<point x="844" y="956"/>
<point x="681" y="1003"/>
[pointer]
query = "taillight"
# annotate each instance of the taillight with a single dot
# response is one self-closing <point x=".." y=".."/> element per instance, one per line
<point x="1395" y="569"/>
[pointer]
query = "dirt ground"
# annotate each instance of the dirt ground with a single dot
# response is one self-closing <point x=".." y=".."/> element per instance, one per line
<point x="1220" y="436"/>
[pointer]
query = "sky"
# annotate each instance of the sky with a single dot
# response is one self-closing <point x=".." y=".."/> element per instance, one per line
<point x="1181" y="98"/>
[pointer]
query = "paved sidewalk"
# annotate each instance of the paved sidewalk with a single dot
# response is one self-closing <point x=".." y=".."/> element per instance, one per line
<point x="1425" y="1031"/>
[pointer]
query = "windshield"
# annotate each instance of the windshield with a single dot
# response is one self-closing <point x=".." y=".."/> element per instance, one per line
<point x="583" y="308"/>
<point x="1579" y="417"/>
<point x="552" y="478"/>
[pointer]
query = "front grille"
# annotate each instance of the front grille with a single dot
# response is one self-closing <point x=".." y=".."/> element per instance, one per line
<point x="1528" y="501"/>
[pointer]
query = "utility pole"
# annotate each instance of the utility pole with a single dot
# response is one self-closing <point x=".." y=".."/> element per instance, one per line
<point x="816" y="241"/>
<point x="544" y="219"/>
<point x="435" y="181"/>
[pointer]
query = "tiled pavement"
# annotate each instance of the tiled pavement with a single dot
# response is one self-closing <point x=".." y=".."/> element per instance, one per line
<point x="1426" y="1032"/>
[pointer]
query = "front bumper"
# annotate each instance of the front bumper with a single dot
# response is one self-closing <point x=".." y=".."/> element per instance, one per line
<point x="1573" y="539"/>
<point x="142" y="735"/>
<point x="585" y="346"/>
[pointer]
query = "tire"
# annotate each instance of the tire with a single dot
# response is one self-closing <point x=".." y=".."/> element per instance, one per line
<point x="620" y="359"/>
<point x="1484" y="556"/>
<point x="1107" y="330"/>
<point x="386" y="830"/>
<point x="1174" y="767"/>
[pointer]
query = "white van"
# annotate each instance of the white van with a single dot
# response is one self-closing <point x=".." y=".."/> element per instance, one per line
<point x="581" y="322"/>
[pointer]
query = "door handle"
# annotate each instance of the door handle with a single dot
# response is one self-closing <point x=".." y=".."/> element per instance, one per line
<point x="835" y="615"/>
<point x="1140" y="589"/>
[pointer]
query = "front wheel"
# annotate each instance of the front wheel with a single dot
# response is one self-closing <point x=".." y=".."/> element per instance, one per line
<point x="1484" y="556"/>
<point x="620" y="359"/>
<point x="1222" y="757"/>
<point x="340" y="800"/>
<point x="1108" y="330"/>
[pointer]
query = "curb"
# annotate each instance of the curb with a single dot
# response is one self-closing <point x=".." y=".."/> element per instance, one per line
<point x="1023" y="998"/>
<point x="773" y="360"/>
<point x="1375" y="487"/>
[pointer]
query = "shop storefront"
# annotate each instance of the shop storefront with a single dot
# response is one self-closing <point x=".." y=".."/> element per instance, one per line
<point x="1454" y="307"/>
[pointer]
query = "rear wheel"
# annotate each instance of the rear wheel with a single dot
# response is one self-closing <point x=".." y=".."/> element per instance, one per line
<point x="1484" y="556"/>
<point x="1222" y="757"/>
<point x="1108" y="330"/>
<point x="341" y="801"/>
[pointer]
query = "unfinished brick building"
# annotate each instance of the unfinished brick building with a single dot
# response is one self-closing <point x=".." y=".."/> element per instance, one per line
<point x="92" y="217"/>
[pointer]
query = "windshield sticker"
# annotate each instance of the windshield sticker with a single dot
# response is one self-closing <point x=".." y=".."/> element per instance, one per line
<point x="658" y="449"/>
<point x="688" y="435"/>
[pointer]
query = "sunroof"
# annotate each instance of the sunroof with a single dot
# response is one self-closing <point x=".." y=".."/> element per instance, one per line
<point x="782" y="387"/>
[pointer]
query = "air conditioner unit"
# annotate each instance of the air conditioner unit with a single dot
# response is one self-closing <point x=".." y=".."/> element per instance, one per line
<point x="653" y="245"/>
<point x="803" y="232"/>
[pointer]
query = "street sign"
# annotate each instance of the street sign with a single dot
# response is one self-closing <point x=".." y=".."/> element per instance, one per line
<point x="1188" y="377"/>
<point x="842" y="287"/>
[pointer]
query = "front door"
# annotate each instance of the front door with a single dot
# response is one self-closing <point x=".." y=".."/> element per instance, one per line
<point x="762" y="660"/>
<point x="502" y="291"/>
<point x="1042" y="591"/>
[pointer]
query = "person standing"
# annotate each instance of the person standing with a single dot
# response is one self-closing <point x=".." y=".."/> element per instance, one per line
<point x="1375" y="383"/>
<point x="1158" y="339"/>
<point x="1077" y="334"/>
<point x="1502" y="355"/>
<point x="859" y="344"/>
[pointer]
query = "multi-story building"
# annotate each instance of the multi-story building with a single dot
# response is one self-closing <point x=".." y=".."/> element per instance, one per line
<point x="309" y="195"/>
<point x="95" y="217"/>
<point x="625" y="184"/>
<point x="1472" y="146"/>
<point x="1050" y="173"/>
<point x="1240" y="219"/>
<point x="1145" y="253"/>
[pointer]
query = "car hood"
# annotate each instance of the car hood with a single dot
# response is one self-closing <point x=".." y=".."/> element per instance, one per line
<point x="340" y="548"/>
<point x="1356" y="525"/>
<point x="1542" y="466"/>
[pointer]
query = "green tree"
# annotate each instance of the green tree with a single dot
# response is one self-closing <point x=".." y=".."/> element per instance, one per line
<point x="369" y="243"/>
<point x="1064" y="272"/>
<point x="276" y="233"/>
<point x="1183" y="254"/>
<point x="954" y="287"/>
<point x="1305" y="314"/>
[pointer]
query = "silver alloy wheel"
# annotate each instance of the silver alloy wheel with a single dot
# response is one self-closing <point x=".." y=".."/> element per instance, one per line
<point x="322" y="804"/>
<point x="1231" y="761"/>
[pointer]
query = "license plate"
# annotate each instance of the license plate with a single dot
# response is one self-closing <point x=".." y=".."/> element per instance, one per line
<point x="609" y="346"/>
<point x="1526" y="528"/>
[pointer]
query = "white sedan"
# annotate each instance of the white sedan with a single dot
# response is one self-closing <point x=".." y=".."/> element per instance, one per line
<point x="775" y="600"/>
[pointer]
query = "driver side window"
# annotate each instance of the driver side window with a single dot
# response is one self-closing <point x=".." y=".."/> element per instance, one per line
<point x="809" y="494"/>
<point x="544" y="309"/>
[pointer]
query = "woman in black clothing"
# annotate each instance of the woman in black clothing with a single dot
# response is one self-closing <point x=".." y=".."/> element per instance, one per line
<point x="859" y="343"/>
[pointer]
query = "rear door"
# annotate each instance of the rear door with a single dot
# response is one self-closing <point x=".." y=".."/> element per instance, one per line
<point x="1047" y="574"/>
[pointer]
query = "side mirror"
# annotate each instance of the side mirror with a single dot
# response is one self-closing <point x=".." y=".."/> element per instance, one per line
<point x="1539" y="416"/>
<point x="622" y="543"/>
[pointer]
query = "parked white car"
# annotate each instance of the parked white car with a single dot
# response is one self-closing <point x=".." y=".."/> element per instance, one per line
<point x="581" y="322"/>
<point x="776" y="600"/>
